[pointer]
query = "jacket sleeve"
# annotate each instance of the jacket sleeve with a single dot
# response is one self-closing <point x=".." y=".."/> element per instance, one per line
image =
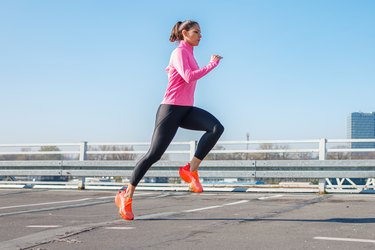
<point x="181" y="63"/>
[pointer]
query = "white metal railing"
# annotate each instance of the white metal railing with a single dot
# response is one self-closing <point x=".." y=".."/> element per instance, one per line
<point x="320" y="146"/>
<point x="82" y="151"/>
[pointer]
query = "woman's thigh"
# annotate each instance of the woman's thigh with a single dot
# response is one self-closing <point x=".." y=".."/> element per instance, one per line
<point x="167" y="122"/>
<point x="199" y="119"/>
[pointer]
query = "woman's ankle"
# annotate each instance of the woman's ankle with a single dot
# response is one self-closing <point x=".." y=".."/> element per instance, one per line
<point x="194" y="164"/>
<point x="129" y="191"/>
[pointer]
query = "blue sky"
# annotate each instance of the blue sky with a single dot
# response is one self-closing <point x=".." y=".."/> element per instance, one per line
<point x="78" y="70"/>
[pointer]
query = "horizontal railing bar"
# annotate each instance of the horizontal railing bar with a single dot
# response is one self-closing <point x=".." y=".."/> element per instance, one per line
<point x="145" y="184"/>
<point x="208" y="163"/>
<point x="113" y="163"/>
<point x="40" y="153"/>
<point x="135" y="152"/>
<point x="130" y="143"/>
<point x="315" y="163"/>
<point x="349" y="140"/>
<point x="351" y="150"/>
<point x="115" y="152"/>
<point x="33" y="182"/>
<point x="315" y="174"/>
<point x="47" y="163"/>
<point x="265" y="151"/>
<point x="187" y="142"/>
<point x="186" y="151"/>
<point x="150" y="173"/>
<point x="118" y="143"/>
<point x="40" y="145"/>
<point x="165" y="173"/>
<point x="30" y="172"/>
<point x="203" y="173"/>
<point x="268" y="142"/>
<point x="172" y="151"/>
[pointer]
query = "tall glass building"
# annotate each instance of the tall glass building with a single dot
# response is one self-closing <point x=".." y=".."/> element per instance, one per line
<point x="361" y="126"/>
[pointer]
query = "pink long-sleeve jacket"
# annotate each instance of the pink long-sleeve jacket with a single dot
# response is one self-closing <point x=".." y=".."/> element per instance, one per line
<point x="183" y="72"/>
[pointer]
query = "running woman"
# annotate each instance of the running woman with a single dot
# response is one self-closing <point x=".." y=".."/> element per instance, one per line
<point x="177" y="110"/>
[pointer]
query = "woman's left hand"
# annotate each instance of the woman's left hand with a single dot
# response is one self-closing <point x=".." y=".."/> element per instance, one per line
<point x="216" y="58"/>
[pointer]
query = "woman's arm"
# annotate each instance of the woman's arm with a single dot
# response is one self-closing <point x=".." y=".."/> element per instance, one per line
<point x="181" y="64"/>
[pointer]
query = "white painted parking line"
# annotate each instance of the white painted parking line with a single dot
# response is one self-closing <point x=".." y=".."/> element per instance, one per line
<point x="345" y="239"/>
<point x="67" y="201"/>
<point x="217" y="206"/>
<point x="119" y="228"/>
<point x="55" y="202"/>
<point x="270" y="197"/>
<point x="153" y="216"/>
<point x="200" y="209"/>
<point x="43" y="226"/>
<point x="235" y="203"/>
<point x="44" y="203"/>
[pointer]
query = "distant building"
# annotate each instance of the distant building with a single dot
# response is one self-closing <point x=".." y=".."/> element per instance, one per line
<point x="361" y="126"/>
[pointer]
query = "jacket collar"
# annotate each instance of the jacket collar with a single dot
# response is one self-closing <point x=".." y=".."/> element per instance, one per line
<point x="183" y="44"/>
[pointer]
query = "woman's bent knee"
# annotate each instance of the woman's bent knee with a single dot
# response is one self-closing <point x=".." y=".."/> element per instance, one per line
<point x="218" y="129"/>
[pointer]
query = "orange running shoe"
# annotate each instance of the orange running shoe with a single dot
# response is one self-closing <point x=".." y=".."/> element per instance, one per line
<point x="192" y="178"/>
<point x="195" y="185"/>
<point x="118" y="198"/>
<point x="185" y="173"/>
<point x="125" y="205"/>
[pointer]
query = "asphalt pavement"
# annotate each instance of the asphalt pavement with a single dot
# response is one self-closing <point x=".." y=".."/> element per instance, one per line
<point x="88" y="219"/>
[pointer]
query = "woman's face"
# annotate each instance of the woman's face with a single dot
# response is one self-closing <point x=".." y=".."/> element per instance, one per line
<point x="192" y="36"/>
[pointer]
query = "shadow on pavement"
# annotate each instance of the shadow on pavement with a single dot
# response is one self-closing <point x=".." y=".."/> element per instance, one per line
<point x="332" y="220"/>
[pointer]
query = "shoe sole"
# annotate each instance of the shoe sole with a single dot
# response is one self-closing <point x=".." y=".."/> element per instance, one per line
<point x="196" y="188"/>
<point x="191" y="180"/>
<point x="118" y="201"/>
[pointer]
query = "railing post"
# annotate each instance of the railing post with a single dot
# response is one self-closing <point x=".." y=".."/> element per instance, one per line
<point x="322" y="149"/>
<point x="82" y="157"/>
<point x="322" y="186"/>
<point x="322" y="157"/>
<point x="193" y="145"/>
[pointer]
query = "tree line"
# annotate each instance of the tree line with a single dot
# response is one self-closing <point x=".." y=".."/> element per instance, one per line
<point x="211" y="156"/>
<point x="27" y="154"/>
<point x="287" y="155"/>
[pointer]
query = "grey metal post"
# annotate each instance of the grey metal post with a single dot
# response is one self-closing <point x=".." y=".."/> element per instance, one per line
<point x="322" y="157"/>
<point x="82" y="157"/>
<point x="322" y="149"/>
<point x="322" y="186"/>
<point x="193" y="145"/>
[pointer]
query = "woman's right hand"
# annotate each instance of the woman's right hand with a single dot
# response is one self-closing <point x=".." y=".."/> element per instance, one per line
<point x="215" y="58"/>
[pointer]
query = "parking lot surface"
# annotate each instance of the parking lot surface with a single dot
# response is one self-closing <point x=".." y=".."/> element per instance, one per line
<point x="79" y="219"/>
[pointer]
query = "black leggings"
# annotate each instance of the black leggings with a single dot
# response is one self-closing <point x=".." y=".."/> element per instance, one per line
<point x="168" y="119"/>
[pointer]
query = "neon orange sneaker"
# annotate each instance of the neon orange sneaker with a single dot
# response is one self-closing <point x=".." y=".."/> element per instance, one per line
<point x="195" y="185"/>
<point x="125" y="205"/>
<point x="192" y="178"/>
<point x="118" y="198"/>
<point x="185" y="173"/>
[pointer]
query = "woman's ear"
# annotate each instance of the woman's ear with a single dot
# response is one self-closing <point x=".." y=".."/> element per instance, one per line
<point x="184" y="32"/>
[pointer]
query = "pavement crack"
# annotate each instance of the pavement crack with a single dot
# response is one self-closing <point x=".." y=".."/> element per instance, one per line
<point x="31" y="241"/>
<point x="297" y="206"/>
<point x="55" y="208"/>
